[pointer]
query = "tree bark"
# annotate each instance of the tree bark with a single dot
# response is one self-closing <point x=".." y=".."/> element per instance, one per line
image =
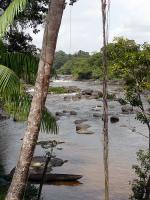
<point x="105" y="104"/>
<point x="20" y="178"/>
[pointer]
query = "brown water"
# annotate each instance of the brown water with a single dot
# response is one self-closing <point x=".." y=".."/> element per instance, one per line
<point x="83" y="152"/>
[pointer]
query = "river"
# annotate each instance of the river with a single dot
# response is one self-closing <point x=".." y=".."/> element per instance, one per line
<point x="83" y="152"/>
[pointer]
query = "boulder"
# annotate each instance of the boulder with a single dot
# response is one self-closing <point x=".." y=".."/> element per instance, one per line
<point x="87" y="92"/>
<point x="79" y="121"/>
<point x="72" y="112"/>
<point x="82" y="127"/>
<point x="127" y="109"/>
<point x="114" y="119"/>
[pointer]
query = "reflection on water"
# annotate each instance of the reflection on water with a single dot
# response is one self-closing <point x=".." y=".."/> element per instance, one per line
<point x="83" y="152"/>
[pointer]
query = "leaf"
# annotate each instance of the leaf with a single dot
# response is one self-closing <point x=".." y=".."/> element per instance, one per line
<point x="8" y="17"/>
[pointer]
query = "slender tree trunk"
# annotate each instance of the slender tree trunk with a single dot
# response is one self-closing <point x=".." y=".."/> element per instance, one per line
<point x="105" y="104"/>
<point x="20" y="178"/>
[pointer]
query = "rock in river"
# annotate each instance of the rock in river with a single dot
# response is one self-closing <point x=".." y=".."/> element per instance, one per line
<point x="82" y="127"/>
<point x="79" y="121"/>
<point x="96" y="115"/>
<point x="127" y="109"/>
<point x="85" y="131"/>
<point x="87" y="92"/>
<point x="114" y="119"/>
<point x="72" y="112"/>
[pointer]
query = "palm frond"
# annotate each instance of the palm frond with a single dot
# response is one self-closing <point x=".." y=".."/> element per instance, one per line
<point x="9" y="82"/>
<point x="13" y="10"/>
<point x="25" y="66"/>
<point x="48" y="122"/>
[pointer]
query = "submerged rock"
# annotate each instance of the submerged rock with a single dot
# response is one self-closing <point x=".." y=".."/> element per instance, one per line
<point x="97" y="115"/>
<point x="79" y="121"/>
<point x="67" y="98"/>
<point x="59" y="114"/>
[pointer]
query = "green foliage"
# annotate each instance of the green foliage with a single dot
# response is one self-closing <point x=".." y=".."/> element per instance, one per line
<point x="9" y="82"/>
<point x="9" y="15"/>
<point x="18" y="41"/>
<point x="60" y="59"/>
<point x="48" y="122"/>
<point x="57" y="90"/>
<point x="78" y="67"/>
<point x="142" y="171"/>
<point x="31" y="192"/>
<point x="25" y="66"/>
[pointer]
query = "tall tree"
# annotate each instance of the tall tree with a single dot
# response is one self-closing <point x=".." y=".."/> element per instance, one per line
<point x="19" y="181"/>
<point x="105" y="7"/>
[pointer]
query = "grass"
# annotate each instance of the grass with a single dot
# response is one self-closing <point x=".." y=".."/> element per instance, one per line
<point x="58" y="90"/>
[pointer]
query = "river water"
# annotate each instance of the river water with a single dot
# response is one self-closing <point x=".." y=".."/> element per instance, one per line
<point x="83" y="152"/>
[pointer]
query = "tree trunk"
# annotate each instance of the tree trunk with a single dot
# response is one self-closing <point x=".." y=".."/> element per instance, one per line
<point x="20" y="178"/>
<point x="105" y="104"/>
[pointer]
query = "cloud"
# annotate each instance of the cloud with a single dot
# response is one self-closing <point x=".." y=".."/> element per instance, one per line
<point x="128" y="18"/>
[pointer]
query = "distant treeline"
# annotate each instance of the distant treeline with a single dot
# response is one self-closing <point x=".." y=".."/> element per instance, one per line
<point x="85" y="65"/>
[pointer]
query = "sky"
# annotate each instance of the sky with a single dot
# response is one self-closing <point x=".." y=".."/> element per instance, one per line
<point x="128" y="18"/>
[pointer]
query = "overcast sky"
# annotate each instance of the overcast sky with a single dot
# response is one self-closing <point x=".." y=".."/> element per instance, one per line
<point x="128" y="18"/>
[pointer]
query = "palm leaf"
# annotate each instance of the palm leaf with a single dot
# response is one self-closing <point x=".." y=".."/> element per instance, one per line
<point x="48" y="122"/>
<point x="9" y="82"/>
<point x="25" y="66"/>
<point x="8" y="17"/>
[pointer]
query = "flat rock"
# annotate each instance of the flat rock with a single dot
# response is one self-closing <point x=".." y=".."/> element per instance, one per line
<point x="79" y="121"/>
<point x="82" y="127"/>
<point x="39" y="162"/>
<point x="86" y="132"/>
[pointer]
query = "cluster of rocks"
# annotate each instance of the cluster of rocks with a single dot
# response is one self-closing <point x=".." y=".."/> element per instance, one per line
<point x="65" y="112"/>
<point x="85" y="94"/>
<point x="82" y="128"/>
